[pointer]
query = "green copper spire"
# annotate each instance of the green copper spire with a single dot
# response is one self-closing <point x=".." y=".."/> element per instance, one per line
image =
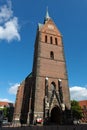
<point x="47" y="17"/>
<point x="47" y="14"/>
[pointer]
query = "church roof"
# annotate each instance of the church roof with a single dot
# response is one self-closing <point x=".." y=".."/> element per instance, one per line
<point x="47" y="17"/>
<point x="30" y="75"/>
<point x="40" y="25"/>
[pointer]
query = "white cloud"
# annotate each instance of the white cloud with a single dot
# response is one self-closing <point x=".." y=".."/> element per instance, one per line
<point x="5" y="13"/>
<point x="78" y="93"/>
<point x="9" y="27"/>
<point x="13" y="88"/>
<point x="5" y="100"/>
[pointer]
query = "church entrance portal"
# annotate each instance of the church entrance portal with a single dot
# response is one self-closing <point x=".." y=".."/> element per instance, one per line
<point x="56" y="115"/>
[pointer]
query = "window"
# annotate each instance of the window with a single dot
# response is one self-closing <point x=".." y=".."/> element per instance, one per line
<point x="51" y="40"/>
<point x="53" y="86"/>
<point x="52" y="55"/>
<point x="84" y="107"/>
<point x="46" y="38"/>
<point x="56" y="42"/>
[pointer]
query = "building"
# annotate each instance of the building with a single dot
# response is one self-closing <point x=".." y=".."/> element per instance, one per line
<point x="6" y="104"/>
<point x="6" y="111"/>
<point x="83" y="105"/>
<point x="45" y="93"/>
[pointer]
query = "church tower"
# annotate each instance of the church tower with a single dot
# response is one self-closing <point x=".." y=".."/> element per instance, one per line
<point x="45" y="92"/>
<point x="50" y="91"/>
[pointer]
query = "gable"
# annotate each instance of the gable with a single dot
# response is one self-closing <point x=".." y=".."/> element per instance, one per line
<point x="50" y="27"/>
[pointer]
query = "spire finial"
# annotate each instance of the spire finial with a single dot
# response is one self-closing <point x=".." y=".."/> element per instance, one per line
<point x="47" y="17"/>
<point x="47" y="14"/>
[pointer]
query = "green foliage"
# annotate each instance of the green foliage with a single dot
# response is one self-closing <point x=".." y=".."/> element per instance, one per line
<point x="8" y="113"/>
<point x="76" y="110"/>
<point x="1" y="108"/>
<point x="5" y="110"/>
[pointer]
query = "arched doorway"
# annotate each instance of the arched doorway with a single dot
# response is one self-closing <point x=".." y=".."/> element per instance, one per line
<point x="56" y="115"/>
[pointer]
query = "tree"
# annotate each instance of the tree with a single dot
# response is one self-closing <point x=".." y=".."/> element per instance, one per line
<point x="76" y="110"/>
<point x="8" y="112"/>
<point x="5" y="110"/>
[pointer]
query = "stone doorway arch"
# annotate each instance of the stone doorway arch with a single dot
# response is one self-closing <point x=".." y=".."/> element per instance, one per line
<point x="56" y="116"/>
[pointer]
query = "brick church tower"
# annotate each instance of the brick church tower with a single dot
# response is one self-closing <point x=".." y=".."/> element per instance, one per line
<point x="46" y="91"/>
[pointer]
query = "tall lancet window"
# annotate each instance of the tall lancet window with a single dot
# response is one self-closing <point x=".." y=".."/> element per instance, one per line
<point x="53" y="86"/>
<point x="56" y="41"/>
<point x="52" y="55"/>
<point x="51" y="40"/>
<point x="46" y="38"/>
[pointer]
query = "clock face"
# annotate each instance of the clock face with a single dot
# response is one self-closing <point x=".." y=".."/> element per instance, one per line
<point x="50" y="26"/>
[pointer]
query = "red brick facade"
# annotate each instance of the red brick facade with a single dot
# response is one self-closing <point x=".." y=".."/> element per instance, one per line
<point x="40" y="95"/>
<point x="83" y="105"/>
<point x="18" y="103"/>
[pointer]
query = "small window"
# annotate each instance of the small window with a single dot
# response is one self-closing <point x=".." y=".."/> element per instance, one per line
<point x="56" y="41"/>
<point x="51" y="40"/>
<point x="53" y="86"/>
<point x="46" y="38"/>
<point x="52" y="55"/>
<point x="84" y="107"/>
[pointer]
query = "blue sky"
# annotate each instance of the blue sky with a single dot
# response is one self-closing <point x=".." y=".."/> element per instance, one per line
<point x="18" y="24"/>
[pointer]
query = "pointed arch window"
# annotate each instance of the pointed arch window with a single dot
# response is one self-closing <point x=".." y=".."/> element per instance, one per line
<point x="51" y="40"/>
<point x="52" y="55"/>
<point x="56" y="41"/>
<point x="46" y="38"/>
<point x="53" y="86"/>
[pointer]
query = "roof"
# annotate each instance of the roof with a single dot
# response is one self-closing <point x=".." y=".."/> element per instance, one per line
<point x="82" y="103"/>
<point x="40" y="25"/>
<point x="47" y="17"/>
<point x="5" y="104"/>
<point x="30" y="75"/>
